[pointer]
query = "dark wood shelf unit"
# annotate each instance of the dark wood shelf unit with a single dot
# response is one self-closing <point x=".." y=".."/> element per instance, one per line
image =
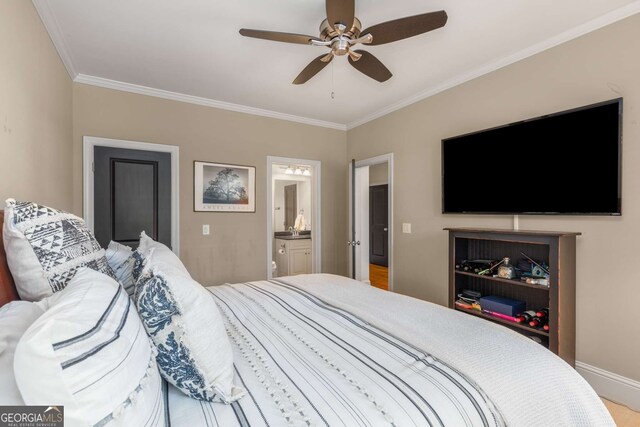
<point x="556" y="249"/>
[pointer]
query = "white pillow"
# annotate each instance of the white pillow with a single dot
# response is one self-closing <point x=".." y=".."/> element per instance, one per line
<point x="120" y="259"/>
<point x="45" y="247"/>
<point x="184" y="323"/>
<point x="89" y="352"/>
<point x="15" y="319"/>
<point x="162" y="255"/>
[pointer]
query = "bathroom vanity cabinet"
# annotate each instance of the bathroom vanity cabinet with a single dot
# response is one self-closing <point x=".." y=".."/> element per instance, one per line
<point x="297" y="257"/>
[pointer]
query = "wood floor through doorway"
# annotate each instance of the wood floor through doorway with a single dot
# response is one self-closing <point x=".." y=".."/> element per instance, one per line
<point x="379" y="276"/>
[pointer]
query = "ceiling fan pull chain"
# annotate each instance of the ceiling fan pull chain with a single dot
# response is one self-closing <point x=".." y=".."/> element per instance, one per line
<point x="333" y="94"/>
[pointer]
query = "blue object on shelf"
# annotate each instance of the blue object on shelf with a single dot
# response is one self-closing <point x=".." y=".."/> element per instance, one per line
<point x="502" y="305"/>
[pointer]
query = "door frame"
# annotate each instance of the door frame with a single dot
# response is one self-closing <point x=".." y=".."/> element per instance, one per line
<point x="88" y="144"/>
<point x="384" y="158"/>
<point x="316" y="207"/>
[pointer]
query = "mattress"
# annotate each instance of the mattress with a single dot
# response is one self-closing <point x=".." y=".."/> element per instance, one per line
<point x="324" y="350"/>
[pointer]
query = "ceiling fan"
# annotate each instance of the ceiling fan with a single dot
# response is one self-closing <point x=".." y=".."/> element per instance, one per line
<point x="341" y="31"/>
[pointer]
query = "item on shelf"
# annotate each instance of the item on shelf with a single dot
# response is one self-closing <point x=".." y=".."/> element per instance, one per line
<point x="546" y="327"/>
<point x="502" y="305"/>
<point x="538" y="321"/>
<point x="526" y="316"/>
<point x="543" y="312"/>
<point x="523" y="266"/>
<point x="476" y="306"/>
<point x="536" y="281"/>
<point x="499" y="315"/>
<point x="537" y="271"/>
<point x="463" y="304"/>
<point x="534" y="269"/>
<point x="476" y="266"/>
<point x="469" y="296"/>
<point x="506" y="270"/>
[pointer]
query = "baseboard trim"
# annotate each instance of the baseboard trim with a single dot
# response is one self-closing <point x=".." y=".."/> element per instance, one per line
<point x="611" y="386"/>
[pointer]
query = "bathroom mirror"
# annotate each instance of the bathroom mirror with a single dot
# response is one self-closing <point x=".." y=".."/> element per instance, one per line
<point x="291" y="199"/>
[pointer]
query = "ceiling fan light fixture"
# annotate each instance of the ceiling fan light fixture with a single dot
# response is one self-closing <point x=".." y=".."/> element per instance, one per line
<point x="341" y="31"/>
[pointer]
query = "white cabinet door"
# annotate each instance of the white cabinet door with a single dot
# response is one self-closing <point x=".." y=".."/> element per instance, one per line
<point x="298" y="261"/>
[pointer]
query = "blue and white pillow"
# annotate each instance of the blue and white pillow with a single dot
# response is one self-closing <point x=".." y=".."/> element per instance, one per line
<point x="45" y="248"/>
<point x="90" y="353"/>
<point x="138" y="266"/>
<point x="184" y="323"/>
<point x="121" y="260"/>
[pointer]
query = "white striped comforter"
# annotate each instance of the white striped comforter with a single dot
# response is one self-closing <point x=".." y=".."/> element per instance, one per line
<point x="305" y="361"/>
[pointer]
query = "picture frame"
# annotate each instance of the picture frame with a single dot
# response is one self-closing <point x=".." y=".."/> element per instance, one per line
<point x="223" y="187"/>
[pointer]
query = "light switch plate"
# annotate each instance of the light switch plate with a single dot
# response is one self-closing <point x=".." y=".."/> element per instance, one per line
<point x="406" y="227"/>
<point x="205" y="230"/>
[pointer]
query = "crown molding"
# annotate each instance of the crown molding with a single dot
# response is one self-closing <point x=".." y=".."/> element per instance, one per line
<point x="590" y="26"/>
<point x="207" y="102"/>
<point x="52" y="26"/>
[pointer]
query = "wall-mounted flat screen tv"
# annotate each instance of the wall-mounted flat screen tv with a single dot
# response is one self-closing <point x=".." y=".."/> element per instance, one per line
<point x="566" y="163"/>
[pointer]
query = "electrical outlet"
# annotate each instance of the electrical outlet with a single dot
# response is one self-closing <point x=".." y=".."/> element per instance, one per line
<point x="406" y="227"/>
<point x="205" y="230"/>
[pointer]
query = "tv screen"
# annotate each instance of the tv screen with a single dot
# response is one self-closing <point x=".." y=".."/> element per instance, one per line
<point x="565" y="163"/>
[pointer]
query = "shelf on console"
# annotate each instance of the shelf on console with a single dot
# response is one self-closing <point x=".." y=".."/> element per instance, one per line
<point x="502" y="321"/>
<point x="502" y="280"/>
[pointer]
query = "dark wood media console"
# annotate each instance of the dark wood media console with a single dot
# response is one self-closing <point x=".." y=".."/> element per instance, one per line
<point x="556" y="249"/>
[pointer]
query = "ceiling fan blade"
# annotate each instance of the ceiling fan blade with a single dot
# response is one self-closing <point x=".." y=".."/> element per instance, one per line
<point x="312" y="69"/>
<point x="340" y="12"/>
<point x="278" y="37"/>
<point x="404" y="28"/>
<point x="370" y="66"/>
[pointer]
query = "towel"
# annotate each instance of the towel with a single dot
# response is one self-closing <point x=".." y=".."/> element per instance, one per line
<point x="299" y="224"/>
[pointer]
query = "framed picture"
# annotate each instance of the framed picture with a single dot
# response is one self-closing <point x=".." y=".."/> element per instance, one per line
<point x="219" y="187"/>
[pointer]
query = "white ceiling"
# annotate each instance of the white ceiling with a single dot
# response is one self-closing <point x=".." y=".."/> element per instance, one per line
<point x="191" y="50"/>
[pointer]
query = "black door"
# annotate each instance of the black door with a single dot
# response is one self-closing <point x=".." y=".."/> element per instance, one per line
<point x="132" y="193"/>
<point x="378" y="225"/>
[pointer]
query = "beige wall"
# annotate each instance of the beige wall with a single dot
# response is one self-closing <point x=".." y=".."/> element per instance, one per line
<point x="599" y="66"/>
<point x="35" y="111"/>
<point x="378" y="174"/>
<point x="236" y="248"/>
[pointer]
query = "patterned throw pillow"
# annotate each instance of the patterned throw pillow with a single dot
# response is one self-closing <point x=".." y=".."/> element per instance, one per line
<point x="45" y="247"/>
<point x="184" y="323"/>
<point x="138" y="265"/>
<point x="121" y="260"/>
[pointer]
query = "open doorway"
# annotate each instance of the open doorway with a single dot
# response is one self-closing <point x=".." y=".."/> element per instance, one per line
<point x="372" y="221"/>
<point x="293" y="217"/>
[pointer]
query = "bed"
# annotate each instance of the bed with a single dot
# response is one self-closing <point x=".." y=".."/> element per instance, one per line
<point x="328" y="351"/>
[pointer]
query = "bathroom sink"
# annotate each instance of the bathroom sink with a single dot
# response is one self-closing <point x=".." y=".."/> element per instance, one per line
<point x="291" y="237"/>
